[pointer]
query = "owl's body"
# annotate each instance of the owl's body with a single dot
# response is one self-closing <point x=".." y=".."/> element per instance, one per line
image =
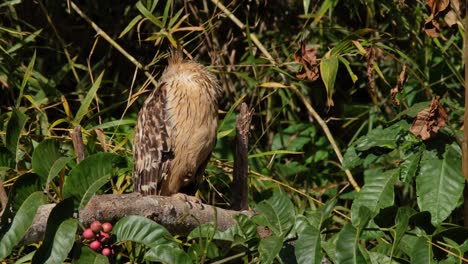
<point x="176" y="130"/>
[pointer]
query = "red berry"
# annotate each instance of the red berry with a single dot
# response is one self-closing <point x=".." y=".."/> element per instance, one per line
<point x="95" y="245"/>
<point x="107" y="227"/>
<point x="106" y="251"/>
<point x="88" y="233"/>
<point x="96" y="226"/>
<point x="103" y="236"/>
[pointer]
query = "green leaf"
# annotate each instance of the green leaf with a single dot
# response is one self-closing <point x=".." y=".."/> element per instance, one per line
<point x="130" y="25"/>
<point x="279" y="213"/>
<point x="88" y="176"/>
<point x="347" y="246"/>
<point x="14" y="127"/>
<point x="401" y="224"/>
<point x="351" y="159"/>
<point x="7" y="162"/>
<point x="269" y="248"/>
<point x="167" y="254"/>
<point x="27" y="75"/>
<point x="377" y="192"/>
<point x="308" y="247"/>
<point x="47" y="160"/>
<point x="141" y="230"/>
<point x="422" y="252"/>
<point x="84" y="107"/>
<point x="88" y="256"/>
<point x="59" y="235"/>
<point x="440" y="182"/>
<point x="20" y="223"/>
<point x="328" y="71"/>
<point x="410" y="165"/>
<point x="382" y="137"/>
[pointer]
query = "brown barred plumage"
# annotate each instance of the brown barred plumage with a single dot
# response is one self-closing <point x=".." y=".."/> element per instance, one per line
<point x="176" y="130"/>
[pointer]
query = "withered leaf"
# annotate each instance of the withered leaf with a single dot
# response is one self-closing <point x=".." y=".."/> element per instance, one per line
<point x="431" y="27"/>
<point x="451" y="18"/>
<point x="428" y="122"/>
<point x="308" y="58"/>
<point x="401" y="80"/>
<point x="437" y="6"/>
<point x="371" y="54"/>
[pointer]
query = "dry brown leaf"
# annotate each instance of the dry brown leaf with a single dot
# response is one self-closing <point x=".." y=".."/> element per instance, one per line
<point x="308" y="58"/>
<point x="401" y="80"/>
<point x="429" y="121"/>
<point x="431" y="27"/>
<point x="437" y="6"/>
<point x="451" y="18"/>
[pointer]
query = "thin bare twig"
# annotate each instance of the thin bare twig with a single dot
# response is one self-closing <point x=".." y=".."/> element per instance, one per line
<point x="78" y="144"/>
<point x="328" y="134"/>
<point x="465" y="127"/>
<point x="3" y="197"/>
<point x="104" y="35"/>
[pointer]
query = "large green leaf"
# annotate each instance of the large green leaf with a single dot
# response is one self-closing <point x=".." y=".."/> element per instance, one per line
<point x="439" y="183"/>
<point x="14" y="127"/>
<point x="167" y="254"/>
<point x="422" y="252"/>
<point x="47" y="160"/>
<point x="347" y="246"/>
<point x="59" y="235"/>
<point x="141" y="230"/>
<point x="20" y="223"/>
<point x="7" y="162"/>
<point x="328" y="71"/>
<point x="377" y="192"/>
<point x="269" y="248"/>
<point x="23" y="187"/>
<point x="63" y="241"/>
<point x="88" y="256"/>
<point x="88" y="176"/>
<point x="278" y="212"/>
<point x="382" y="137"/>
<point x="308" y="247"/>
<point x="84" y="107"/>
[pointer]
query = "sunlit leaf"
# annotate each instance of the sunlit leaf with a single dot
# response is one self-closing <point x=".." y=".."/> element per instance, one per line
<point x="347" y="246"/>
<point x="308" y="248"/>
<point x="84" y="107"/>
<point x="141" y="230"/>
<point x="89" y="176"/>
<point x="269" y="248"/>
<point x="328" y="71"/>
<point x="422" y="252"/>
<point x="21" y="222"/>
<point x="167" y="254"/>
<point x="59" y="235"/>
<point x="279" y="213"/>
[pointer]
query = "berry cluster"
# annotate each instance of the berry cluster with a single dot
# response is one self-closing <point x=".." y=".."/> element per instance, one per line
<point x="98" y="236"/>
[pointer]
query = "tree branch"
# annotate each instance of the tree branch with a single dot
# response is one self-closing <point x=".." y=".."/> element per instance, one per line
<point x="177" y="215"/>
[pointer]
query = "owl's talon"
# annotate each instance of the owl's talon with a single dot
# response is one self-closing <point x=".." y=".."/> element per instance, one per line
<point x="189" y="199"/>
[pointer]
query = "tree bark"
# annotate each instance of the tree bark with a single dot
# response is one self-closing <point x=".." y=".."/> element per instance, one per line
<point x="241" y="165"/>
<point x="176" y="214"/>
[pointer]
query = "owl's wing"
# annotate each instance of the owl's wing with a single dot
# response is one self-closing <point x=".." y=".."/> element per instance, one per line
<point x="152" y="144"/>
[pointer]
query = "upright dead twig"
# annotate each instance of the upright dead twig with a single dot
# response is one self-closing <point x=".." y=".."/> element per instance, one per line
<point x="239" y="184"/>
<point x="78" y="144"/>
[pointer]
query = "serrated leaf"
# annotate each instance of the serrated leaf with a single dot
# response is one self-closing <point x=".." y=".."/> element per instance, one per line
<point x="308" y="247"/>
<point x="269" y="248"/>
<point x="84" y="107"/>
<point x="59" y="235"/>
<point x="88" y="176"/>
<point x="328" y="71"/>
<point x="377" y="192"/>
<point x="88" y="256"/>
<point x="14" y="127"/>
<point x="45" y="157"/>
<point x="440" y="182"/>
<point x="141" y="230"/>
<point x="167" y="254"/>
<point x="422" y="252"/>
<point x="347" y="246"/>
<point x="21" y="222"/>
<point x="279" y="213"/>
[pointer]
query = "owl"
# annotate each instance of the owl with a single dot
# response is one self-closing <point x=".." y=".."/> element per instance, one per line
<point x="176" y="130"/>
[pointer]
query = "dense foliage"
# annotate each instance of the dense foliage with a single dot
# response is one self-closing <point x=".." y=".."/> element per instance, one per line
<point x="336" y="173"/>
